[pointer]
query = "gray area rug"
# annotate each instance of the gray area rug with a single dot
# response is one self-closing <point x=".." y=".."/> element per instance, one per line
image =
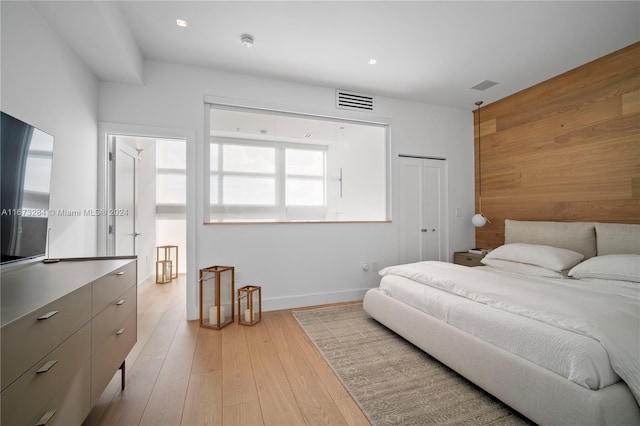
<point x="394" y="382"/>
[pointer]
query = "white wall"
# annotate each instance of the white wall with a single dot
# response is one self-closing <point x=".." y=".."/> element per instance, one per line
<point x="296" y="264"/>
<point x="45" y="84"/>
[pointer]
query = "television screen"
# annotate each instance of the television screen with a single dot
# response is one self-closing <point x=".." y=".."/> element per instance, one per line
<point x="26" y="155"/>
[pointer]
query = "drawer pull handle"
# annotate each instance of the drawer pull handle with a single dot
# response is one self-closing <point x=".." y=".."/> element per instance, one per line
<point x="121" y="273"/>
<point x="46" y="366"/>
<point x="45" y="419"/>
<point x="119" y="332"/>
<point x="47" y="315"/>
<point x="120" y="302"/>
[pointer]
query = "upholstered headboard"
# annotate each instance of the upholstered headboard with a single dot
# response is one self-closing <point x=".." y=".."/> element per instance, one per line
<point x="617" y="238"/>
<point x="588" y="238"/>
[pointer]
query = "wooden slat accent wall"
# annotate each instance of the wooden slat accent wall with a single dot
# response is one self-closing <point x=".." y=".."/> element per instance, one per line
<point x="567" y="149"/>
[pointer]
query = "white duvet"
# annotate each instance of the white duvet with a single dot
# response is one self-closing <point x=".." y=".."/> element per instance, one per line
<point x="607" y="313"/>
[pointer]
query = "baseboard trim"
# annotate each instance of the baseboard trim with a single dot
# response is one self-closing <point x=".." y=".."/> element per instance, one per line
<point x="312" y="299"/>
<point x="304" y="300"/>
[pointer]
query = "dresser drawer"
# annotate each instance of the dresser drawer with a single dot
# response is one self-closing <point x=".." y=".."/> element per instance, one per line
<point x="72" y="404"/>
<point x="26" y="396"/>
<point x="28" y="339"/>
<point x="107" y="322"/>
<point x="106" y="289"/>
<point x="105" y="362"/>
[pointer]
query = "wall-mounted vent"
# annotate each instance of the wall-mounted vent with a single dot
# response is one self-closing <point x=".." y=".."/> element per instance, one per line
<point x="353" y="101"/>
<point x="484" y="85"/>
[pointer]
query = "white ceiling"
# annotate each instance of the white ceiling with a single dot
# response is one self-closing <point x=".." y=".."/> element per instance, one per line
<point x="427" y="51"/>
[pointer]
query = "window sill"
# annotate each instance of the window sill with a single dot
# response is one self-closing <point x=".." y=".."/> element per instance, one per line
<point x="296" y="222"/>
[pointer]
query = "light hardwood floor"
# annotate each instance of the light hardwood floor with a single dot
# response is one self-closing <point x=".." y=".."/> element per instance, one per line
<point x="181" y="374"/>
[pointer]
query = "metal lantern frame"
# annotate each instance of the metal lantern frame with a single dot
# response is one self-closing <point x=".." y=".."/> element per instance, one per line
<point x="249" y="298"/>
<point x="211" y="281"/>
<point x="164" y="270"/>
<point x="166" y="264"/>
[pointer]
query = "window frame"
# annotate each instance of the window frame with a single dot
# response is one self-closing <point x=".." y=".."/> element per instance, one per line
<point x="300" y="214"/>
<point x="279" y="210"/>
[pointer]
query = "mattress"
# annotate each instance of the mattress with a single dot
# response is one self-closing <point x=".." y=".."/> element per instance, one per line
<point x="577" y="357"/>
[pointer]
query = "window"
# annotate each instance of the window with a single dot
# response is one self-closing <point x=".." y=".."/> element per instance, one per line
<point x="305" y="177"/>
<point x="171" y="163"/>
<point x="270" y="167"/>
<point x="171" y="198"/>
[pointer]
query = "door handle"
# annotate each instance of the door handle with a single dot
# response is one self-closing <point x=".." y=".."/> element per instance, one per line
<point x="424" y="230"/>
<point x="137" y="234"/>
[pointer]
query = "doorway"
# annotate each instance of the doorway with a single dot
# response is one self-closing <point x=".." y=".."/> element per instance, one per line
<point x="122" y="214"/>
<point x="423" y="201"/>
<point x="146" y="199"/>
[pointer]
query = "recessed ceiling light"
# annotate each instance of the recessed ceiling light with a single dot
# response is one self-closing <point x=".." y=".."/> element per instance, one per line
<point x="247" y="40"/>
<point x="372" y="62"/>
<point x="181" y="23"/>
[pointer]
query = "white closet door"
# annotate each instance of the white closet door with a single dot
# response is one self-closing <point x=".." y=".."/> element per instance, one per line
<point x="422" y="209"/>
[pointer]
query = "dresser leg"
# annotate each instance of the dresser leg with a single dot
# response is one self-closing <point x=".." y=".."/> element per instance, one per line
<point x="122" y="369"/>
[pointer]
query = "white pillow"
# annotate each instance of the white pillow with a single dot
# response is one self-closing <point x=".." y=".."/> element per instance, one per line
<point x="621" y="267"/>
<point x="523" y="268"/>
<point x="609" y="283"/>
<point x="554" y="258"/>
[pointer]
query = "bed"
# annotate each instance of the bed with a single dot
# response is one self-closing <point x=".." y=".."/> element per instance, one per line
<point x="550" y="324"/>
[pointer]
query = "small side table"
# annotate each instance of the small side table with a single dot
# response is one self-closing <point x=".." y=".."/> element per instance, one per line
<point x="467" y="259"/>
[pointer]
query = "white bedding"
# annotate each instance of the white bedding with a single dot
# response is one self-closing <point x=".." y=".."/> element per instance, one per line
<point x="515" y="310"/>
<point x="575" y="357"/>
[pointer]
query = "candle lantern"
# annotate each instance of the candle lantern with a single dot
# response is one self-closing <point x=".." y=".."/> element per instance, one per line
<point x="163" y="271"/>
<point x="169" y="254"/>
<point x="249" y="305"/>
<point x="216" y="296"/>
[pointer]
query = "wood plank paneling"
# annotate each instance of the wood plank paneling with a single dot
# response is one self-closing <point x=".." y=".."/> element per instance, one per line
<point x="567" y="149"/>
<point x="631" y="102"/>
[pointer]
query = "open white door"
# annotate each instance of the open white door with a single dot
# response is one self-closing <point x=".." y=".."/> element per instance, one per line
<point x="122" y="199"/>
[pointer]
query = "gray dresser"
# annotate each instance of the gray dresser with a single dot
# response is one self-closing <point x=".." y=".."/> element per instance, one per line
<point x="66" y="329"/>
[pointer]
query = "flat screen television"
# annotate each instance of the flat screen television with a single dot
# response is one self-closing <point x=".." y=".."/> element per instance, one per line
<point x="26" y="156"/>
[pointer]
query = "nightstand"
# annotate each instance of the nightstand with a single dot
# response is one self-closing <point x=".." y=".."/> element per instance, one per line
<point x="467" y="259"/>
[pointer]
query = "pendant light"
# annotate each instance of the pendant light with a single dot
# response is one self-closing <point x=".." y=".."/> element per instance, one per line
<point x="479" y="219"/>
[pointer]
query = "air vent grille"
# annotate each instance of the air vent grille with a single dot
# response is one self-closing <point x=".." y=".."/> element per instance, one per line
<point x="353" y="101"/>
<point x="484" y="85"/>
